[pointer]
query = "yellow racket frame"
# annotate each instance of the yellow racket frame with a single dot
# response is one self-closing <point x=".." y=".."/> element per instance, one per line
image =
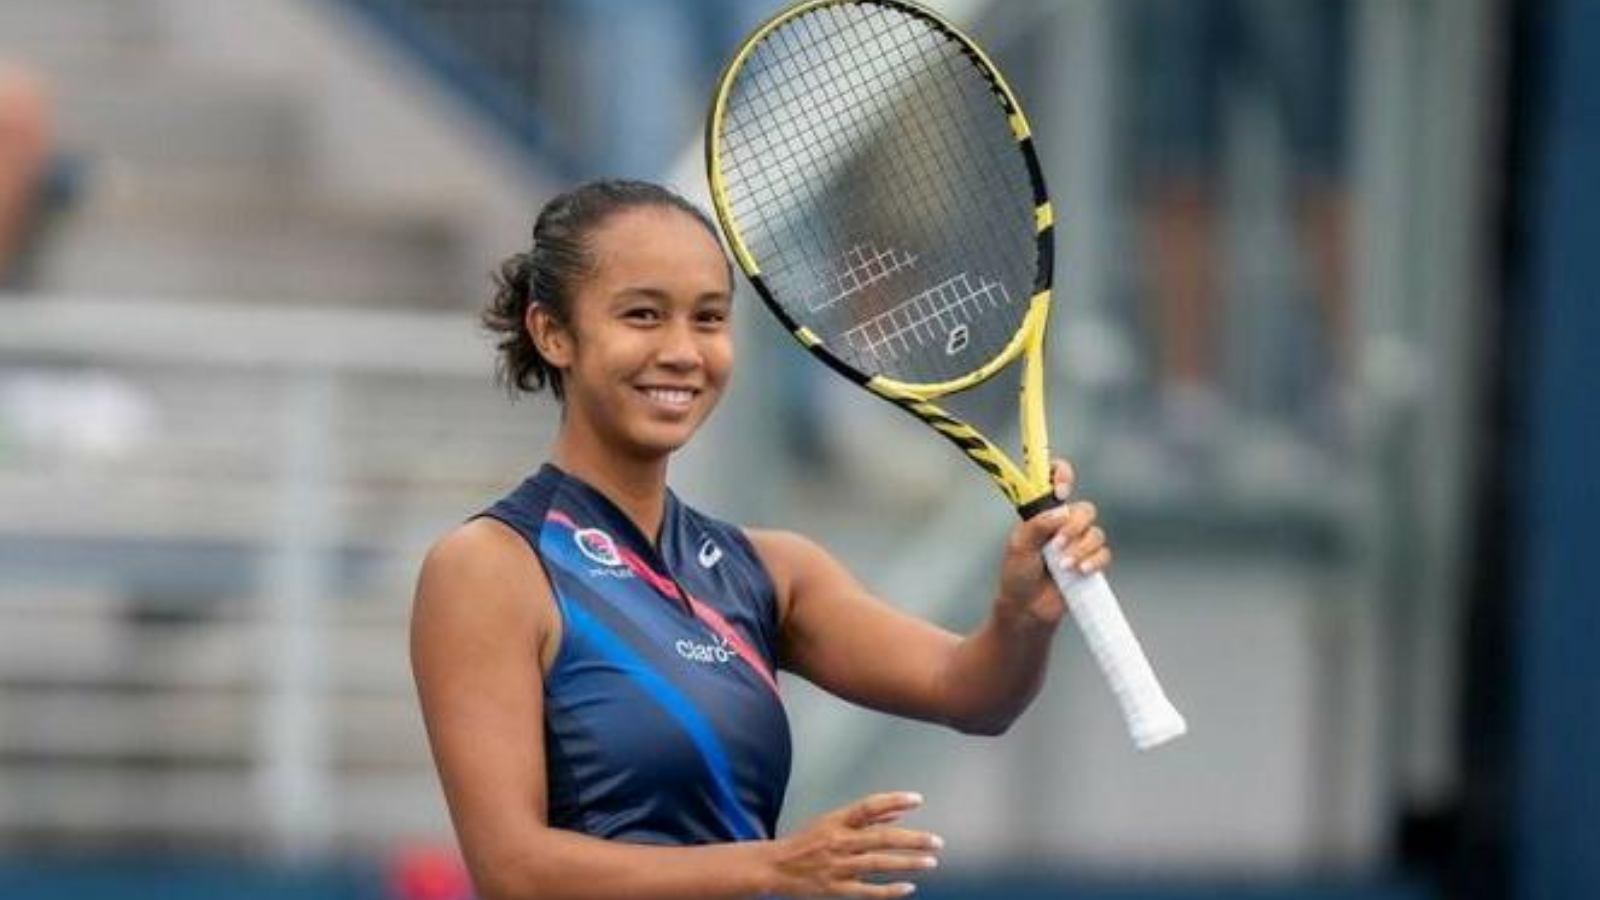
<point x="1027" y="486"/>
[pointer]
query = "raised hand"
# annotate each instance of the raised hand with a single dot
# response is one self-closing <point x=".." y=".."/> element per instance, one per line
<point x="1025" y="587"/>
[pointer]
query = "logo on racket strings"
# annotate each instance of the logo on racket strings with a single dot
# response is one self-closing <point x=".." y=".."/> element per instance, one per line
<point x="957" y="340"/>
<point x="598" y="546"/>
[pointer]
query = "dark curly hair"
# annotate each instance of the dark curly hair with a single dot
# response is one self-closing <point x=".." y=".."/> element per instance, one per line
<point x="550" y="269"/>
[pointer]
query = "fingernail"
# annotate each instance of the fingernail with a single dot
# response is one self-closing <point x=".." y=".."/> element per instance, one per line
<point x="912" y="797"/>
<point x="906" y="887"/>
<point x="1061" y="491"/>
<point x="930" y="862"/>
<point x="1084" y="567"/>
<point x="936" y="841"/>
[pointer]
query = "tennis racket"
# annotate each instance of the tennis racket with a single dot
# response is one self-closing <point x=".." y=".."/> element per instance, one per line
<point x="877" y="183"/>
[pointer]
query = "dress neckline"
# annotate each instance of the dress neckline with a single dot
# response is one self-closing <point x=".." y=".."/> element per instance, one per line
<point x="635" y="534"/>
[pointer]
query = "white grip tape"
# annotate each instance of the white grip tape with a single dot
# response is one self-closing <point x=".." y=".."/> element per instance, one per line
<point x="1152" y="719"/>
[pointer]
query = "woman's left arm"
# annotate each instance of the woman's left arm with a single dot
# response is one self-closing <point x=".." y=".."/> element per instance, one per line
<point x="839" y="636"/>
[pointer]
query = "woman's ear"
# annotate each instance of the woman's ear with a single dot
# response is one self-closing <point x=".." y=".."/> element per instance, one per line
<point x="550" y="336"/>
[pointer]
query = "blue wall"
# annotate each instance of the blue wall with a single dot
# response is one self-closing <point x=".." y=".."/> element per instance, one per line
<point x="1556" y="850"/>
<point x="71" y="878"/>
<point x="970" y="888"/>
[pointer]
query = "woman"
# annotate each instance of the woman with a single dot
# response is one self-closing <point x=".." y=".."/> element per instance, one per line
<point x="595" y="659"/>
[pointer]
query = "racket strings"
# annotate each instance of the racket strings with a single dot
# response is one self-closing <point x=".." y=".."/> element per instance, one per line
<point x="803" y="82"/>
<point x="842" y="99"/>
<point x="869" y="165"/>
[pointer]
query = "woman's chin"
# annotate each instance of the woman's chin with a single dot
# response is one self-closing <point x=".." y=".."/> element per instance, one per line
<point x="662" y="438"/>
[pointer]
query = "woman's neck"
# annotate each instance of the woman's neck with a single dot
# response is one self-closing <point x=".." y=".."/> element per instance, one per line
<point x="638" y="486"/>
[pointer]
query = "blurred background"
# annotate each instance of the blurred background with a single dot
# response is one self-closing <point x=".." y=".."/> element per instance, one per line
<point x="1325" y="276"/>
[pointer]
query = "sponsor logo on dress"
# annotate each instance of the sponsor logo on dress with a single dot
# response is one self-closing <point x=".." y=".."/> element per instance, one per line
<point x="719" y="653"/>
<point x="598" y="546"/>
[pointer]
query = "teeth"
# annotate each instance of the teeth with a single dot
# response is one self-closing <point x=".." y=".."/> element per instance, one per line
<point x="670" y="396"/>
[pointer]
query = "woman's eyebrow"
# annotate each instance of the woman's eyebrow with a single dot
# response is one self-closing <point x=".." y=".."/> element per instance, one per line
<point x="643" y="290"/>
<point x="651" y="292"/>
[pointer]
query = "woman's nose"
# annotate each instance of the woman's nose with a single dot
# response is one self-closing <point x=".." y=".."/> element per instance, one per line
<point x="678" y="346"/>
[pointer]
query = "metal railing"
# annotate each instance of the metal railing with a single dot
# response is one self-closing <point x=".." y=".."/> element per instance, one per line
<point x="210" y="516"/>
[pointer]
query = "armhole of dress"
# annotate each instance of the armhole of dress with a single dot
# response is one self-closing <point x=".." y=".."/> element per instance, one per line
<point x="768" y="589"/>
<point x="555" y="598"/>
<point x="570" y="785"/>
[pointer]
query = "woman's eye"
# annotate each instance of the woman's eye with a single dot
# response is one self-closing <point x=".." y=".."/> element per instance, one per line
<point x="712" y="317"/>
<point x="642" y="314"/>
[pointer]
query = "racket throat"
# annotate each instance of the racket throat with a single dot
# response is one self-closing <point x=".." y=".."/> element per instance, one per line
<point x="1041" y="504"/>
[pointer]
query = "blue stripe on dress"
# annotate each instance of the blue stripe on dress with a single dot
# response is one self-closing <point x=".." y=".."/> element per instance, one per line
<point x="739" y="822"/>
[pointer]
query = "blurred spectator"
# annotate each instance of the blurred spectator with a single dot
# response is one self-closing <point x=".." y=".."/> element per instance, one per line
<point x="428" y="873"/>
<point x="1192" y="57"/>
<point x="26" y="145"/>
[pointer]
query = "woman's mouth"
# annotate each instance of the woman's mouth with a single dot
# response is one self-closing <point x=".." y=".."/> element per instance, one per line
<point x="673" y="398"/>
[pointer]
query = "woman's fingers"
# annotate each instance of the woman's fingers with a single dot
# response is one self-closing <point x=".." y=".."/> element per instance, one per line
<point x="1065" y="522"/>
<point x="1086" y="544"/>
<point x="1073" y="522"/>
<point x="841" y="850"/>
<point x="1081" y="542"/>
<point x="900" y="850"/>
<point x="878" y="850"/>
<point x="872" y="840"/>
<point x="1095" y="562"/>
<point x="1062" y="478"/>
<point x="868" y="891"/>
<point x="884" y="819"/>
<point x="881" y="863"/>
<point x="877" y="808"/>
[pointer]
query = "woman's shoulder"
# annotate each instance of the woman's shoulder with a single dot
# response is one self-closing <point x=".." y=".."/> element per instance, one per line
<point x="480" y="589"/>
<point x="784" y="553"/>
<point x="482" y="567"/>
<point x="778" y="542"/>
<point x="476" y="545"/>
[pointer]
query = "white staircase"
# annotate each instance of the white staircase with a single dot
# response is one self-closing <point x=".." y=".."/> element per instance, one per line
<point x="198" y="179"/>
<point x="230" y="389"/>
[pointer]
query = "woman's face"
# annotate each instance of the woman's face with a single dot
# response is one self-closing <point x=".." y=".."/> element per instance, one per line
<point x="649" y="346"/>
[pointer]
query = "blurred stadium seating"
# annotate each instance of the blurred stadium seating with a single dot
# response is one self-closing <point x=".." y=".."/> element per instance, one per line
<point x="244" y="391"/>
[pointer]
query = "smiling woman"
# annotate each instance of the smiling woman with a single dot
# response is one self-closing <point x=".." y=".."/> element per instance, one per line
<point x="646" y="341"/>
<point x="597" y="660"/>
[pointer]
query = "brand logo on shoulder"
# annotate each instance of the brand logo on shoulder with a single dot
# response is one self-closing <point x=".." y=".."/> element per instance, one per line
<point x="710" y="554"/>
<point x="598" y="546"/>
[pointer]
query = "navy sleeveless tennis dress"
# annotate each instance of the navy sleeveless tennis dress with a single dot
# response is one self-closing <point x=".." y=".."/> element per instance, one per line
<point x="662" y="718"/>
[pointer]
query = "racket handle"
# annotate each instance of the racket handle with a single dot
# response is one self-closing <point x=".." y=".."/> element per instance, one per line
<point x="1151" y="717"/>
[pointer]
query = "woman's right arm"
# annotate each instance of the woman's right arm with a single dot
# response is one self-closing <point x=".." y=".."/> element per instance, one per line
<point x="482" y="630"/>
